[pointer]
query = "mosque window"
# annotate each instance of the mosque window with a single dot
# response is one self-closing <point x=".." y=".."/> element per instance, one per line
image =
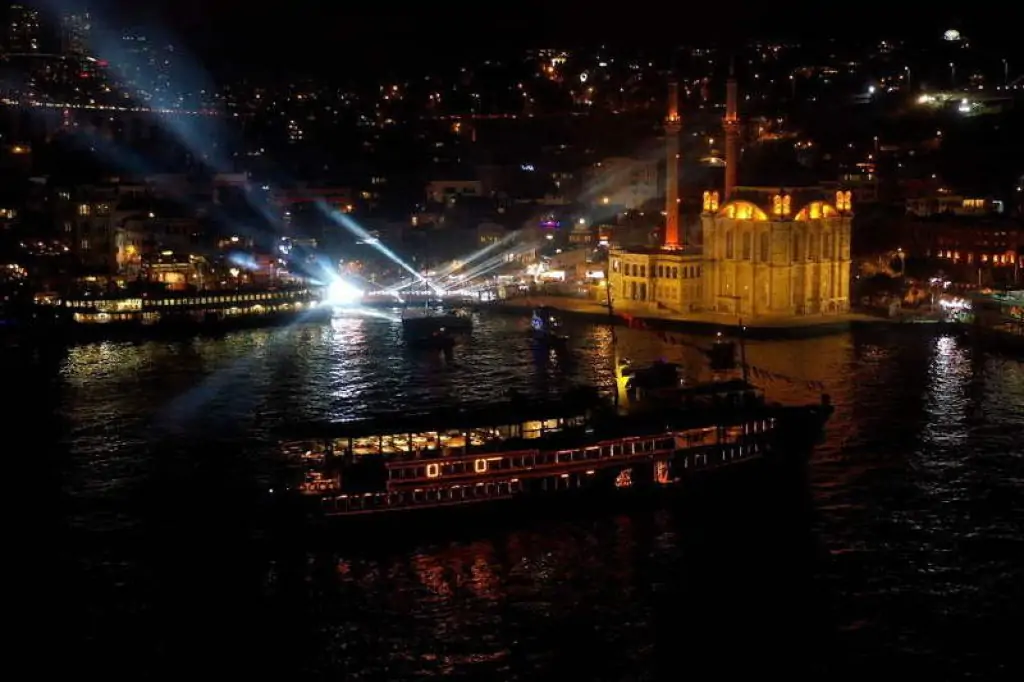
<point x="765" y="247"/>
<point x="747" y="241"/>
<point x="796" y="248"/>
<point x="728" y="245"/>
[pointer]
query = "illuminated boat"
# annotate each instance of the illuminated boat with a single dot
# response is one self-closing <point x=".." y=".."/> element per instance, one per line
<point x="423" y="322"/>
<point x="546" y="326"/>
<point x="519" y="450"/>
<point x="109" y="315"/>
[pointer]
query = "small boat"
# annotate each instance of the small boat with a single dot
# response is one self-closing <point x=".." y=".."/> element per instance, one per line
<point x="722" y="355"/>
<point x="1006" y="338"/>
<point x="659" y="379"/>
<point x="546" y="326"/>
<point x="423" y="322"/>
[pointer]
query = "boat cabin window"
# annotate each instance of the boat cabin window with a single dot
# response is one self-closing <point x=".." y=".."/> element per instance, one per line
<point x="453" y="439"/>
<point x="306" y="449"/>
<point x="696" y="437"/>
<point x="478" y="437"/>
<point x="734" y="433"/>
<point x="394" y="444"/>
<point x="536" y="429"/>
<point x="368" y="445"/>
<point x="427" y="440"/>
<point x="532" y="429"/>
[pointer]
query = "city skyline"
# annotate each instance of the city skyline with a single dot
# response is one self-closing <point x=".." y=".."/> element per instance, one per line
<point x="306" y="37"/>
<point x="513" y="343"/>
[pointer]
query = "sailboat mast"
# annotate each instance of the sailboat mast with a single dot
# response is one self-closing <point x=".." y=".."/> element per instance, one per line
<point x="743" y="351"/>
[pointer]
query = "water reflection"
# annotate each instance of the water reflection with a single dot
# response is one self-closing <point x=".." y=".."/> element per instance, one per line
<point x="916" y="495"/>
<point x="949" y="376"/>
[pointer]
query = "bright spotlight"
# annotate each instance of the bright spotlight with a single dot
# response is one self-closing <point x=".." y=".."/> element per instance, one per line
<point x="340" y="292"/>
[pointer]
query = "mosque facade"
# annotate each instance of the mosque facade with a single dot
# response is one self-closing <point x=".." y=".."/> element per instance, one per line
<point x="765" y="251"/>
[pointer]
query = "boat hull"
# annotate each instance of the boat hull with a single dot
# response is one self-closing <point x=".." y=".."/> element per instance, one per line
<point x="1001" y="341"/>
<point x="448" y="523"/>
<point x="439" y="343"/>
<point x="428" y="325"/>
<point x="169" y="327"/>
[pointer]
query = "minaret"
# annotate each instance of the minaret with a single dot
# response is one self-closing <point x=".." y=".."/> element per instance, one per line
<point x="672" y="127"/>
<point x="732" y="135"/>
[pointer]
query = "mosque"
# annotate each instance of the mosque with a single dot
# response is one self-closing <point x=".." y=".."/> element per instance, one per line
<point x="765" y="251"/>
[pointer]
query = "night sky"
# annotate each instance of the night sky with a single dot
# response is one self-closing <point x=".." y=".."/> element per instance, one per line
<point x="332" y="34"/>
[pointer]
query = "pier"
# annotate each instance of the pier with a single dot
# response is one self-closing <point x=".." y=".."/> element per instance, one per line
<point x="766" y="327"/>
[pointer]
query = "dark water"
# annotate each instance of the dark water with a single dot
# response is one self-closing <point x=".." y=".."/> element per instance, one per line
<point x="134" y="554"/>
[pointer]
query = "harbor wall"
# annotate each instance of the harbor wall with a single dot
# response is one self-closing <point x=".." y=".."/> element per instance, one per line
<point x="700" y="323"/>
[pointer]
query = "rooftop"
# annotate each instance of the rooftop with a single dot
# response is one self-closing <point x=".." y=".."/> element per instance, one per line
<point x="688" y="251"/>
<point x="516" y="409"/>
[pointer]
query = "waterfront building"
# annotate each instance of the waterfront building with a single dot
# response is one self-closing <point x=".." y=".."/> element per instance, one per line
<point x="765" y="251"/>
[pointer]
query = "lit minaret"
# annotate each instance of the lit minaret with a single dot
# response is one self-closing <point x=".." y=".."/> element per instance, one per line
<point x="732" y="135"/>
<point x="672" y="127"/>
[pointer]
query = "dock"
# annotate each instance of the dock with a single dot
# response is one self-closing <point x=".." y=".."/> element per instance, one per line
<point x="766" y="327"/>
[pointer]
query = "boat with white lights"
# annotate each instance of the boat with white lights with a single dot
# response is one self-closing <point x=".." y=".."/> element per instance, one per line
<point x="103" y="314"/>
<point x="422" y="322"/>
<point x="523" y="450"/>
<point x="998" y="319"/>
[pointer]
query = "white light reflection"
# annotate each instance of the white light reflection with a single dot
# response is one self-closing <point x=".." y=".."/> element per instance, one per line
<point x="348" y="351"/>
<point x="947" y="402"/>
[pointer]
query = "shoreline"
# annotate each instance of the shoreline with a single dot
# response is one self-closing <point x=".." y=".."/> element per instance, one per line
<point x="702" y="323"/>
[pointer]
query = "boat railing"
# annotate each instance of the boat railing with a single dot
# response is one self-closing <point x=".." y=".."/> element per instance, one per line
<point x="656" y="421"/>
<point x="529" y="462"/>
<point x="368" y="503"/>
<point x="316" y="483"/>
<point x="187" y="300"/>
